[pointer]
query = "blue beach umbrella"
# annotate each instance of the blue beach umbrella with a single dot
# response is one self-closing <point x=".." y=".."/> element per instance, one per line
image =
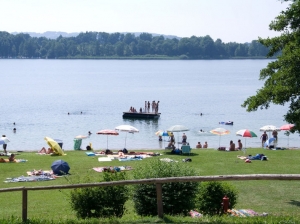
<point x="60" y="167"/>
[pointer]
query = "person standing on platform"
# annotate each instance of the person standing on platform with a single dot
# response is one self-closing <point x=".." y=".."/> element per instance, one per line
<point x="148" y="106"/>
<point x="156" y="107"/>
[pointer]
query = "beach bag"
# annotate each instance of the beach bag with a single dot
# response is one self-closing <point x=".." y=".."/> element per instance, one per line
<point x="264" y="158"/>
<point x="88" y="148"/>
<point x="187" y="160"/>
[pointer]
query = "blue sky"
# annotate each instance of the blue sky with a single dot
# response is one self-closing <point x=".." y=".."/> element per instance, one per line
<point x="230" y="20"/>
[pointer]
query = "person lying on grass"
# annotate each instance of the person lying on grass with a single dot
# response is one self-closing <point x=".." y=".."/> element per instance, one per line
<point x="43" y="150"/>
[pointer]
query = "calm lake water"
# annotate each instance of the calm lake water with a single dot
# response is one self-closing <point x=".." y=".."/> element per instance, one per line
<point x="38" y="95"/>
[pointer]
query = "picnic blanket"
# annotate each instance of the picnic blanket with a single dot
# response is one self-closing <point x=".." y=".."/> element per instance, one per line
<point x="112" y="168"/>
<point x="28" y="179"/>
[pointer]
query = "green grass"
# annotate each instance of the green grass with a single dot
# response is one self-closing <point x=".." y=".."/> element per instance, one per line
<point x="277" y="198"/>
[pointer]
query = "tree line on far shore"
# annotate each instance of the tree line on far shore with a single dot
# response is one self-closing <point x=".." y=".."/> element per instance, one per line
<point x="117" y="45"/>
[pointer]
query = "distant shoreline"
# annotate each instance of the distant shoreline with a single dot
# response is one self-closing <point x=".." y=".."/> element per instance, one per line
<point x="138" y="58"/>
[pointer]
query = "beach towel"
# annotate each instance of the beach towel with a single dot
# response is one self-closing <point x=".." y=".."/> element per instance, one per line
<point x="28" y="179"/>
<point x="168" y="160"/>
<point x="130" y="158"/>
<point x="105" y="159"/>
<point x="116" y="168"/>
<point x="243" y="213"/>
<point x="90" y="153"/>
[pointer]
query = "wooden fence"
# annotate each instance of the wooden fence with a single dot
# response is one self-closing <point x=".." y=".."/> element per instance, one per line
<point x="157" y="181"/>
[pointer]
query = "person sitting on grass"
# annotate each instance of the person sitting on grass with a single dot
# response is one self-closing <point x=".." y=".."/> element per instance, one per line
<point x="240" y="145"/>
<point x="199" y="146"/>
<point x="231" y="146"/>
<point x="205" y="145"/>
<point x="48" y="151"/>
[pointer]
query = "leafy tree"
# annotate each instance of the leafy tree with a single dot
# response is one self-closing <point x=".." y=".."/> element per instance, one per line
<point x="282" y="76"/>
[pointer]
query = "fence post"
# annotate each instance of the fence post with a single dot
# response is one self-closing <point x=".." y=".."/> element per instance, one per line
<point x="160" y="210"/>
<point x="24" y="205"/>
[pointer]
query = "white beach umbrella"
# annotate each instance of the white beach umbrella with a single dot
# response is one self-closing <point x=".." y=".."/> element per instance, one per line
<point x="126" y="128"/>
<point x="177" y="128"/>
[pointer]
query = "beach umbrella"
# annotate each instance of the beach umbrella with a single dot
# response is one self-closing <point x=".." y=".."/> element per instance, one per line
<point x="54" y="146"/>
<point x="60" y="167"/>
<point x="127" y="129"/>
<point x="107" y="132"/>
<point x="287" y="127"/>
<point x="177" y="128"/>
<point x="220" y="132"/>
<point x="245" y="133"/>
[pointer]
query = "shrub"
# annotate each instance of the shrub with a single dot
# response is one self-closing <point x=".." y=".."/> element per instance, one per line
<point x="100" y="201"/>
<point x="211" y="195"/>
<point x="178" y="198"/>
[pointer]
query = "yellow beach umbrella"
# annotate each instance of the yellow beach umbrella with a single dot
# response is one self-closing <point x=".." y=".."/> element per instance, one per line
<point x="54" y="146"/>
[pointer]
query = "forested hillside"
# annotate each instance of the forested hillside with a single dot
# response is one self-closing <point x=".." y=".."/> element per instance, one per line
<point x="117" y="45"/>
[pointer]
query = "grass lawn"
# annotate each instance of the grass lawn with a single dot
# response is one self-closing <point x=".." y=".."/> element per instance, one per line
<point x="277" y="198"/>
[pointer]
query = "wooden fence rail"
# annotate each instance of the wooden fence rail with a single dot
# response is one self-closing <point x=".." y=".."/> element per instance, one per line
<point x="157" y="181"/>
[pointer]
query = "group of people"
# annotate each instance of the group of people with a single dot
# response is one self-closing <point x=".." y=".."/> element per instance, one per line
<point x="148" y="105"/>
<point x="199" y="145"/>
<point x="264" y="137"/>
<point x="232" y="146"/>
<point x="154" y="106"/>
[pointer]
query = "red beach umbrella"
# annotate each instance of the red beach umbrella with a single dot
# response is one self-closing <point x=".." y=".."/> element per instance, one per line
<point x="287" y="127"/>
<point x="107" y="132"/>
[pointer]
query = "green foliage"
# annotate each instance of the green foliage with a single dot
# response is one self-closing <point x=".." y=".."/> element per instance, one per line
<point x="282" y="77"/>
<point x="100" y="201"/>
<point x="211" y="195"/>
<point x="178" y="198"/>
<point x="105" y="45"/>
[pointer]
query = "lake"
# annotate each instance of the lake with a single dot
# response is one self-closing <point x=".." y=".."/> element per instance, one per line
<point x="38" y="95"/>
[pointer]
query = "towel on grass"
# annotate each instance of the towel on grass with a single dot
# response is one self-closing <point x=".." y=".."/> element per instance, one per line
<point x="242" y="212"/>
<point x="28" y="179"/>
<point x="105" y="159"/>
<point x="130" y="158"/>
<point x="115" y="168"/>
<point x="168" y="160"/>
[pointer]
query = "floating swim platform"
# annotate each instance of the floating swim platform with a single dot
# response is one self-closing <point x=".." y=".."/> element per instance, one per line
<point x="143" y="115"/>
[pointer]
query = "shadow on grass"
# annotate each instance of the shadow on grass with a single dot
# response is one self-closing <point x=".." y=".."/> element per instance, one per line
<point x="293" y="202"/>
